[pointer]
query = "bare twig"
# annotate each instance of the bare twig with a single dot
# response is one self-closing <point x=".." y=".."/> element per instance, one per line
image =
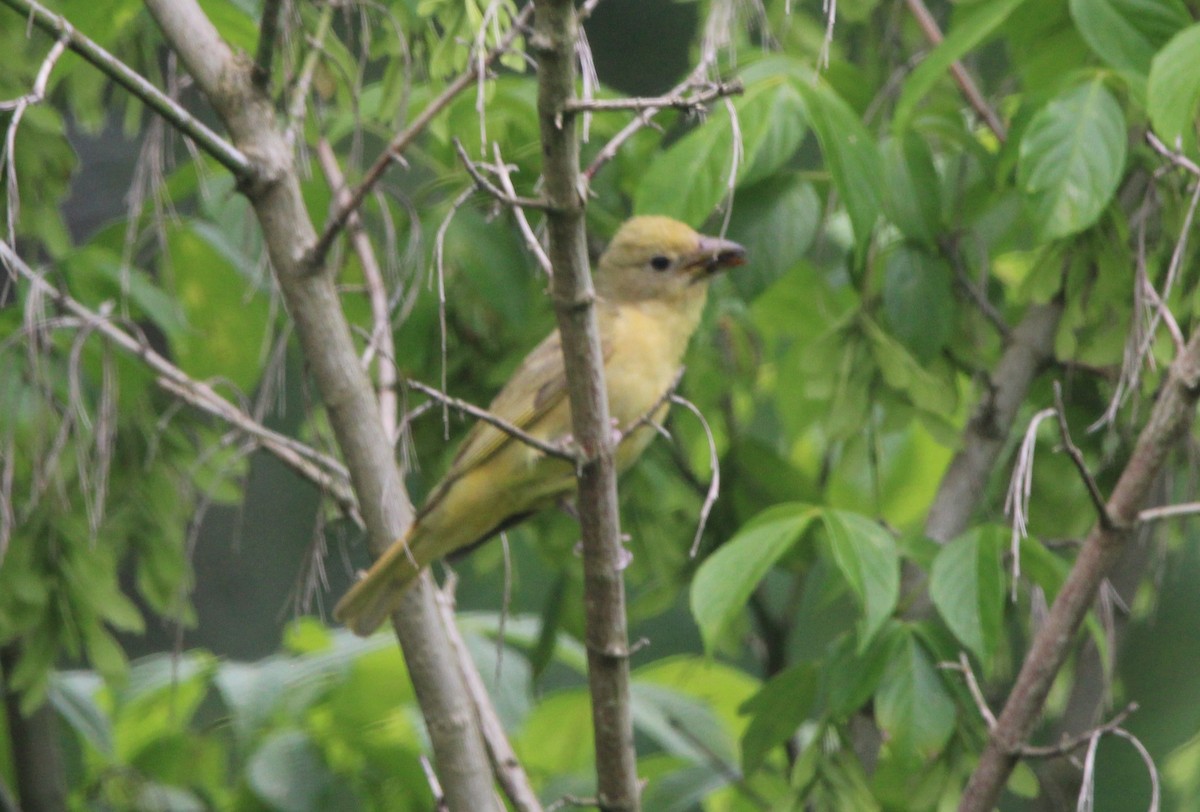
<point x="1168" y="511"/>
<point x="487" y="186"/>
<point x="691" y="99"/>
<point x="531" y="240"/>
<point x="1174" y="156"/>
<point x="315" y="466"/>
<point x="1071" y="743"/>
<point x="229" y="156"/>
<point x="964" y="665"/>
<point x="549" y="449"/>
<point x="435" y="786"/>
<point x="965" y="83"/>
<point x="381" y="323"/>
<point x="1076" y="456"/>
<point x="1020" y="487"/>
<point x="714" y="462"/>
<point x="17" y="107"/>
<point x="337" y="220"/>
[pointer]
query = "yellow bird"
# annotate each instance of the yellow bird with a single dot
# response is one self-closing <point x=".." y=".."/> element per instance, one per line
<point x="651" y="284"/>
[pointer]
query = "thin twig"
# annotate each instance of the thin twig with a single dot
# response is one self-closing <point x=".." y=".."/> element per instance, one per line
<point x="549" y="449"/>
<point x="964" y="666"/>
<point x="338" y="219"/>
<point x="1168" y="511"/>
<point x="321" y="469"/>
<point x="377" y="295"/>
<point x="965" y="83"/>
<point x="487" y="186"/>
<point x="224" y="152"/>
<point x="531" y="240"/>
<point x="1070" y="743"/>
<point x="1098" y="502"/>
<point x="714" y="463"/>
<point x="691" y="99"/>
<point x="1174" y="156"/>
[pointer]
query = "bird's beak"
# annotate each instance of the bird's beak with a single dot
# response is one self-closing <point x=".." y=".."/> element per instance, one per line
<point x="714" y="255"/>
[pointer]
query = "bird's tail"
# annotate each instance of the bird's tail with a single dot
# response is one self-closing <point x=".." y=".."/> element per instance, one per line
<point x="378" y="593"/>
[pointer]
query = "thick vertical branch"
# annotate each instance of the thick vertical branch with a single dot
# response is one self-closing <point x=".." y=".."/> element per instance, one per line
<point x="1173" y="413"/>
<point x="965" y="481"/>
<point x="553" y="42"/>
<point x="36" y="753"/>
<point x="274" y="191"/>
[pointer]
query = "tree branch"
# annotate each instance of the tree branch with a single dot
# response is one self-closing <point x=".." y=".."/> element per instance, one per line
<point x="320" y="469"/>
<point x="965" y="83"/>
<point x="963" y="485"/>
<point x="353" y="411"/>
<point x="553" y="41"/>
<point x="1171" y="417"/>
<point x="216" y="146"/>
<point x="34" y="746"/>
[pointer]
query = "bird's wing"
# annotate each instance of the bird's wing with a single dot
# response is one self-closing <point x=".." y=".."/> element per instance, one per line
<point x="537" y="386"/>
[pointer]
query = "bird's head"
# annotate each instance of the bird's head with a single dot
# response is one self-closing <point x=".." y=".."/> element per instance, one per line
<point x="660" y="258"/>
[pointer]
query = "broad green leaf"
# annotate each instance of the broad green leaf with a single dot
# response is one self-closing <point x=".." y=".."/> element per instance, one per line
<point x="723" y="583"/>
<point x="918" y="301"/>
<point x="73" y="695"/>
<point x="912" y="706"/>
<point x="1071" y="158"/>
<point x="968" y="32"/>
<point x="912" y="189"/>
<point x="776" y="220"/>
<point x="679" y="724"/>
<point x="1127" y="33"/>
<point x="691" y="178"/>
<point x="966" y="584"/>
<point x="850" y="677"/>
<point x="850" y="153"/>
<point x="288" y="774"/>
<point x="1174" y="89"/>
<point x="867" y="557"/>
<point x="228" y="321"/>
<point x="776" y="711"/>
<point x="927" y="390"/>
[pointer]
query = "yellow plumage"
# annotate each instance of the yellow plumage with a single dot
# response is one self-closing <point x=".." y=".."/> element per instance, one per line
<point x="651" y="284"/>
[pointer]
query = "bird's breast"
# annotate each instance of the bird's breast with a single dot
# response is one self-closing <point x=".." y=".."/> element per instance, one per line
<point x="648" y="340"/>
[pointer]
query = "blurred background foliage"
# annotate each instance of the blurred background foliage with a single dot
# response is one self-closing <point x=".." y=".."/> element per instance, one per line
<point x="166" y="593"/>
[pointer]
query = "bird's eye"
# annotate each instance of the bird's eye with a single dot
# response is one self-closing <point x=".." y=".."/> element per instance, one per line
<point x="660" y="263"/>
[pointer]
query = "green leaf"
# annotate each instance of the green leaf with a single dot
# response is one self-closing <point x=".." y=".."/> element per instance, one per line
<point x="867" y="557"/>
<point x="287" y="773"/>
<point x="927" y="390"/>
<point x="968" y="32"/>
<point x="851" y="155"/>
<point x="73" y="695"/>
<point x="776" y="711"/>
<point x="228" y="322"/>
<point x="850" y="677"/>
<point x="723" y="583"/>
<point x="912" y="706"/>
<point x="912" y="189"/>
<point x="1071" y="158"/>
<point x="918" y="301"/>
<point x="966" y="584"/>
<point x="1127" y="33"/>
<point x="1174" y="89"/>
<point x="776" y="220"/>
<point x="691" y="177"/>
